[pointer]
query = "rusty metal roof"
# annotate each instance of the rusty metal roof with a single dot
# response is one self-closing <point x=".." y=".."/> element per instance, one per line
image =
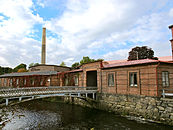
<point x="133" y="62"/>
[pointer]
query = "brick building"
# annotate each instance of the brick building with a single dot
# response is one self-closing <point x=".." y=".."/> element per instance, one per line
<point x="139" y="77"/>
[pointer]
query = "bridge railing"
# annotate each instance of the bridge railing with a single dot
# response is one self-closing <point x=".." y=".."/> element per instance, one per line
<point x="9" y="92"/>
<point x="167" y="92"/>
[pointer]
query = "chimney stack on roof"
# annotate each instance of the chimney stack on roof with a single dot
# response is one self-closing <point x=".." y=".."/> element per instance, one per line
<point x="43" y="52"/>
<point x="171" y="27"/>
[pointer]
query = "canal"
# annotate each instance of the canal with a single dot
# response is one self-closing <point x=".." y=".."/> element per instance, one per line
<point x="43" y="115"/>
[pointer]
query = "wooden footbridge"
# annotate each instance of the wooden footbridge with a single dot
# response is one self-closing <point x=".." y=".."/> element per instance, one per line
<point x="40" y="92"/>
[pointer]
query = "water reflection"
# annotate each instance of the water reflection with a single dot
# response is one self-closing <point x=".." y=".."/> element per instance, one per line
<point x="42" y="115"/>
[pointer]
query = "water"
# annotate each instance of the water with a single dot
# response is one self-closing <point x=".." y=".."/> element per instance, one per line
<point x="42" y="115"/>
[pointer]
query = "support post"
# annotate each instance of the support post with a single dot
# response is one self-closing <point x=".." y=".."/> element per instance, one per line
<point x="86" y="95"/>
<point x="20" y="99"/>
<point x="163" y="93"/>
<point x="6" y="103"/>
<point x="78" y="94"/>
<point x="93" y="95"/>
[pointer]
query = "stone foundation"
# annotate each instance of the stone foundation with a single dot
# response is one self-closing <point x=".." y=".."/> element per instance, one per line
<point x="151" y="108"/>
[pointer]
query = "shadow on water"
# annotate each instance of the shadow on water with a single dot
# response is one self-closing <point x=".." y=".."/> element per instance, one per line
<point x="42" y="115"/>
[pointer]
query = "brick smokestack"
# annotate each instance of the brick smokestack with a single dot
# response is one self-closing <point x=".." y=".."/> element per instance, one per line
<point x="43" y="52"/>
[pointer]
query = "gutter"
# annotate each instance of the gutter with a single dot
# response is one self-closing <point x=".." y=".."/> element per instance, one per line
<point x="101" y="67"/>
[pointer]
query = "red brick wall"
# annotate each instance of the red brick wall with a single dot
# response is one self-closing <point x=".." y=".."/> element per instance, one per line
<point x="146" y="77"/>
<point x="169" y="68"/>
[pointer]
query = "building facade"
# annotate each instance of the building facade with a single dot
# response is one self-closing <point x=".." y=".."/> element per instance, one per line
<point x="139" y="77"/>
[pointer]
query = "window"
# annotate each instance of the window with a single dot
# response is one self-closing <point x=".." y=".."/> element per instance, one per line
<point x="111" y="79"/>
<point x="11" y="82"/>
<point x="133" y="79"/>
<point x="66" y="81"/>
<point x="17" y="81"/>
<point x="24" y="81"/>
<point x="31" y="81"/>
<point x="41" y="82"/>
<point x="76" y="79"/>
<point x="5" y="82"/>
<point x="165" y="79"/>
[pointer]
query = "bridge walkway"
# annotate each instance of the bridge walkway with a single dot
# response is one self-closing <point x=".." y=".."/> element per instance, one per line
<point x="40" y="92"/>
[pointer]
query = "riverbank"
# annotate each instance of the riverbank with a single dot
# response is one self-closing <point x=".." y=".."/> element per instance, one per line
<point x="140" y="108"/>
<point x="152" y="109"/>
<point x="47" y="115"/>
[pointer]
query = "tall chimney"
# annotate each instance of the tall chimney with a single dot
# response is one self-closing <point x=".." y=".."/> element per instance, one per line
<point x="171" y="27"/>
<point x="43" y="52"/>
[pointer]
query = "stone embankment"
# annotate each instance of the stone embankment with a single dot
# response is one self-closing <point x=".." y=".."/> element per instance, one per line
<point x="150" y="108"/>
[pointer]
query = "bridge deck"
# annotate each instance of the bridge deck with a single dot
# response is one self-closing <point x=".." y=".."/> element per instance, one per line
<point x="40" y="92"/>
<point x="15" y="92"/>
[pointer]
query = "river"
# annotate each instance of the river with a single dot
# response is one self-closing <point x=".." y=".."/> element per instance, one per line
<point x="43" y="115"/>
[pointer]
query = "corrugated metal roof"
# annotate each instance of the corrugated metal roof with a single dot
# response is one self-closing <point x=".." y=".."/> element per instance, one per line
<point x="118" y="63"/>
<point x="133" y="62"/>
<point x="163" y="58"/>
<point x="29" y="73"/>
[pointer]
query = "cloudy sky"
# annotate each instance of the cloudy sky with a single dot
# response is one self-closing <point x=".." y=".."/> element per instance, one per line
<point x="105" y="29"/>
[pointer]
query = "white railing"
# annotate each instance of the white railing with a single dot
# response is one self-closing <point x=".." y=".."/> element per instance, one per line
<point x="167" y="92"/>
<point x="13" y="92"/>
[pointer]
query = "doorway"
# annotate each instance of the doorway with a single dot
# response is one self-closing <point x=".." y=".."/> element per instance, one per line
<point x="91" y="78"/>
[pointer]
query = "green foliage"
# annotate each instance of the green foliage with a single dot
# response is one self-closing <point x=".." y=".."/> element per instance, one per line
<point x="33" y="64"/>
<point x="75" y="65"/>
<point x="4" y="70"/>
<point x="19" y="67"/>
<point x="143" y="52"/>
<point x="85" y="60"/>
<point x="62" y="64"/>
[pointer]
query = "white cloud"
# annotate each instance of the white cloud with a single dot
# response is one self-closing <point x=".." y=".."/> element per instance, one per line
<point x="17" y="25"/>
<point x="95" y="28"/>
<point x="171" y="12"/>
<point x="92" y="26"/>
<point x="116" y="55"/>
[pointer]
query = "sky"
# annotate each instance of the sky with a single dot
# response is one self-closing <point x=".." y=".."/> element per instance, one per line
<point x="106" y="29"/>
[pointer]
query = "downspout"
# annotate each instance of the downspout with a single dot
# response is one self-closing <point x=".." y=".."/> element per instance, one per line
<point x="101" y="66"/>
<point x="157" y="77"/>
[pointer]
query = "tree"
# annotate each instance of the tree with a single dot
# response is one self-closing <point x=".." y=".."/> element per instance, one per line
<point x="33" y="64"/>
<point x="75" y="65"/>
<point x="21" y="70"/>
<point x="143" y="52"/>
<point x="4" y="70"/>
<point x="19" y="67"/>
<point x="62" y="64"/>
<point x="85" y="60"/>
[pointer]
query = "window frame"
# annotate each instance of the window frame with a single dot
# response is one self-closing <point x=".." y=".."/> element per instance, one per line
<point x="76" y="76"/>
<point x="11" y="82"/>
<point x="17" y="81"/>
<point x="111" y="73"/>
<point x="5" y="82"/>
<point x="166" y="78"/>
<point x="135" y="85"/>
<point x="66" y="82"/>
